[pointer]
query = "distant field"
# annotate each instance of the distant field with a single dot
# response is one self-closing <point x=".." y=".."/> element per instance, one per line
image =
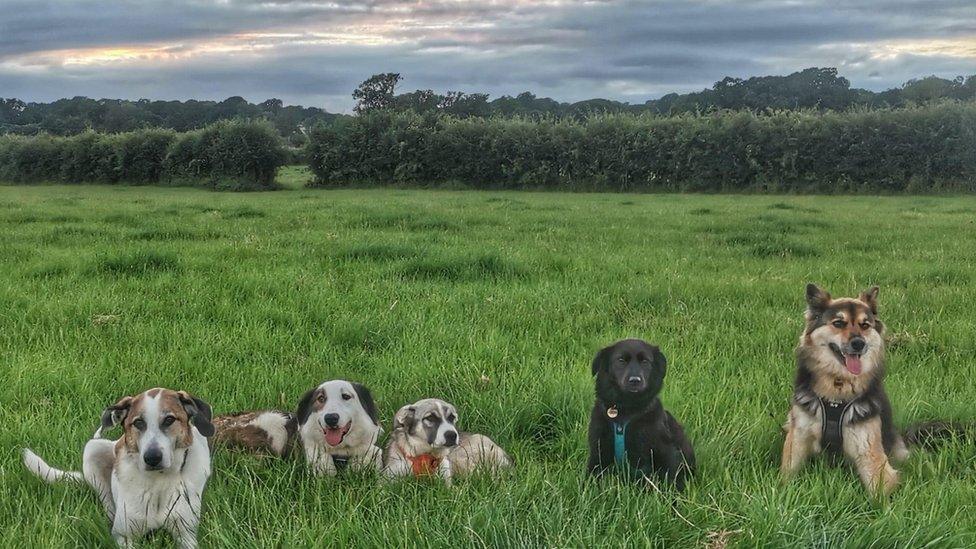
<point x="495" y="301"/>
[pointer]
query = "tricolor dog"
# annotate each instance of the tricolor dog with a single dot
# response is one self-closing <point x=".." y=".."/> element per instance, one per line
<point x="839" y="402"/>
<point x="338" y="427"/>
<point x="426" y="442"/>
<point x="154" y="475"/>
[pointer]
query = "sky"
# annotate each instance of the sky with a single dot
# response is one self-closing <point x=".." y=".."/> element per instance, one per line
<point x="314" y="53"/>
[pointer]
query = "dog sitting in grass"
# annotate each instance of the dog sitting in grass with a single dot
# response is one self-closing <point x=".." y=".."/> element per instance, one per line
<point x="426" y="442"/>
<point x="839" y="402"/>
<point x="629" y="427"/>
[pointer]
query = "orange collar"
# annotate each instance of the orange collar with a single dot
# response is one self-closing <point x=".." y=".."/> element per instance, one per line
<point x="424" y="465"/>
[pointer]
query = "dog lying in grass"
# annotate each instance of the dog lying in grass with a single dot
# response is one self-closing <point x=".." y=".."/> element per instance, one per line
<point x="263" y="432"/>
<point x="629" y="426"/>
<point x="839" y="402"/>
<point x="154" y="475"/>
<point x="426" y="442"/>
<point x="336" y="425"/>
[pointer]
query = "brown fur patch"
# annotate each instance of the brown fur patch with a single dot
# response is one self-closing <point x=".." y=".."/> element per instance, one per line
<point x="235" y="432"/>
<point x="169" y="404"/>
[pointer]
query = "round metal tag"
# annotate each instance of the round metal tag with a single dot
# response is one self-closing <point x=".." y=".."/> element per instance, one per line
<point x="612" y="412"/>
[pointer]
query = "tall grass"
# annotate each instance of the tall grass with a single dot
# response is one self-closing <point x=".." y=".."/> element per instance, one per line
<point x="495" y="301"/>
<point x="924" y="149"/>
<point x="226" y="155"/>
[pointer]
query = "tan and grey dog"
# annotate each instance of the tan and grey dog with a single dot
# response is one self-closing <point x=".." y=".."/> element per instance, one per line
<point x="839" y="401"/>
<point x="154" y="475"/>
<point x="426" y="442"/>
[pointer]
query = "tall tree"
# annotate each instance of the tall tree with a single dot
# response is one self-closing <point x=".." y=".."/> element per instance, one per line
<point x="377" y="92"/>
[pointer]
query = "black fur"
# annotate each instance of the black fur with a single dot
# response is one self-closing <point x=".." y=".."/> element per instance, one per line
<point x="115" y="414"/>
<point x="200" y="414"/>
<point x="366" y="399"/>
<point x="305" y="406"/>
<point x="656" y="443"/>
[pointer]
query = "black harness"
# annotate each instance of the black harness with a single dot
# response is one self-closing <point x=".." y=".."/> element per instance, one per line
<point x="832" y="434"/>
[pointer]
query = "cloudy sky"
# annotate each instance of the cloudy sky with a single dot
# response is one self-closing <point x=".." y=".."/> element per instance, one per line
<point x="315" y="52"/>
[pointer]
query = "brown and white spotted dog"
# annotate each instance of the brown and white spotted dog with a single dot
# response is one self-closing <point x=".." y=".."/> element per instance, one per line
<point x="426" y="442"/>
<point x="268" y="432"/>
<point x="839" y="401"/>
<point x="154" y="475"/>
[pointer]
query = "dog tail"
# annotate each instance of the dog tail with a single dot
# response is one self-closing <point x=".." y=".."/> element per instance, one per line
<point x="928" y="434"/>
<point x="40" y="468"/>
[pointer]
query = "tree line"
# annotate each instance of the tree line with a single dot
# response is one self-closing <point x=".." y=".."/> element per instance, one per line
<point x="814" y="88"/>
<point x="80" y="114"/>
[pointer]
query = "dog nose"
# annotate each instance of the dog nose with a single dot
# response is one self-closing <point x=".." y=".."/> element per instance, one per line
<point x="153" y="457"/>
<point x="450" y="438"/>
<point x="858" y="344"/>
<point x="634" y="380"/>
<point x="332" y="420"/>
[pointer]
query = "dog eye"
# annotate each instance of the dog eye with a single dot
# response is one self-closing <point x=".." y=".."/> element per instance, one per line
<point x="839" y="324"/>
<point x="451" y="418"/>
<point x="169" y="421"/>
<point x="140" y="424"/>
<point x="865" y="326"/>
<point x="621" y="359"/>
<point x="430" y="419"/>
<point x="346" y="396"/>
<point x="321" y="398"/>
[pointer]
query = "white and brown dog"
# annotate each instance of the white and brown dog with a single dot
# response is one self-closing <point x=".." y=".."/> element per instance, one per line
<point x="426" y="442"/>
<point x="338" y="428"/>
<point x="154" y="475"/>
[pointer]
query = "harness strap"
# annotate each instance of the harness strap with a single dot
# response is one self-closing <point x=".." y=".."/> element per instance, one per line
<point x="340" y="462"/>
<point x="832" y="435"/>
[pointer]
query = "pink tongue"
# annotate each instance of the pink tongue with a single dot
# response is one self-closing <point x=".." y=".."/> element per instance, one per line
<point x="334" y="436"/>
<point x="853" y="363"/>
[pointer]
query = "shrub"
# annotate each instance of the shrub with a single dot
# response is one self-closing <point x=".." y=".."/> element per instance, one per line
<point x="230" y="155"/>
<point x="896" y="150"/>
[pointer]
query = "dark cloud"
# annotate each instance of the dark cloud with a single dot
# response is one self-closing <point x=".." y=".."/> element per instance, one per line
<point x="315" y="52"/>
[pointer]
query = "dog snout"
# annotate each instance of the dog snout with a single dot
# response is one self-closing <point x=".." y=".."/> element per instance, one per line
<point x="332" y="420"/>
<point x="153" y="458"/>
<point x="634" y="380"/>
<point x="858" y="344"/>
<point x="450" y="438"/>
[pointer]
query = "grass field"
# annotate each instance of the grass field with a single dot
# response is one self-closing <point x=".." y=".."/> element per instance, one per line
<point x="496" y="302"/>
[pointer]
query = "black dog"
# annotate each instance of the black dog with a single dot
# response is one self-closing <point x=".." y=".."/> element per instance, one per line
<point x="629" y="426"/>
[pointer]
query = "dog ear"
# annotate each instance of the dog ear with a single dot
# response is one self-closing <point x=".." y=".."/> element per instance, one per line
<point x="817" y="299"/>
<point x="115" y="414"/>
<point x="660" y="360"/>
<point x="870" y="297"/>
<point x="601" y="360"/>
<point x="305" y="406"/>
<point x="404" y="417"/>
<point x="366" y="399"/>
<point x="199" y="412"/>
